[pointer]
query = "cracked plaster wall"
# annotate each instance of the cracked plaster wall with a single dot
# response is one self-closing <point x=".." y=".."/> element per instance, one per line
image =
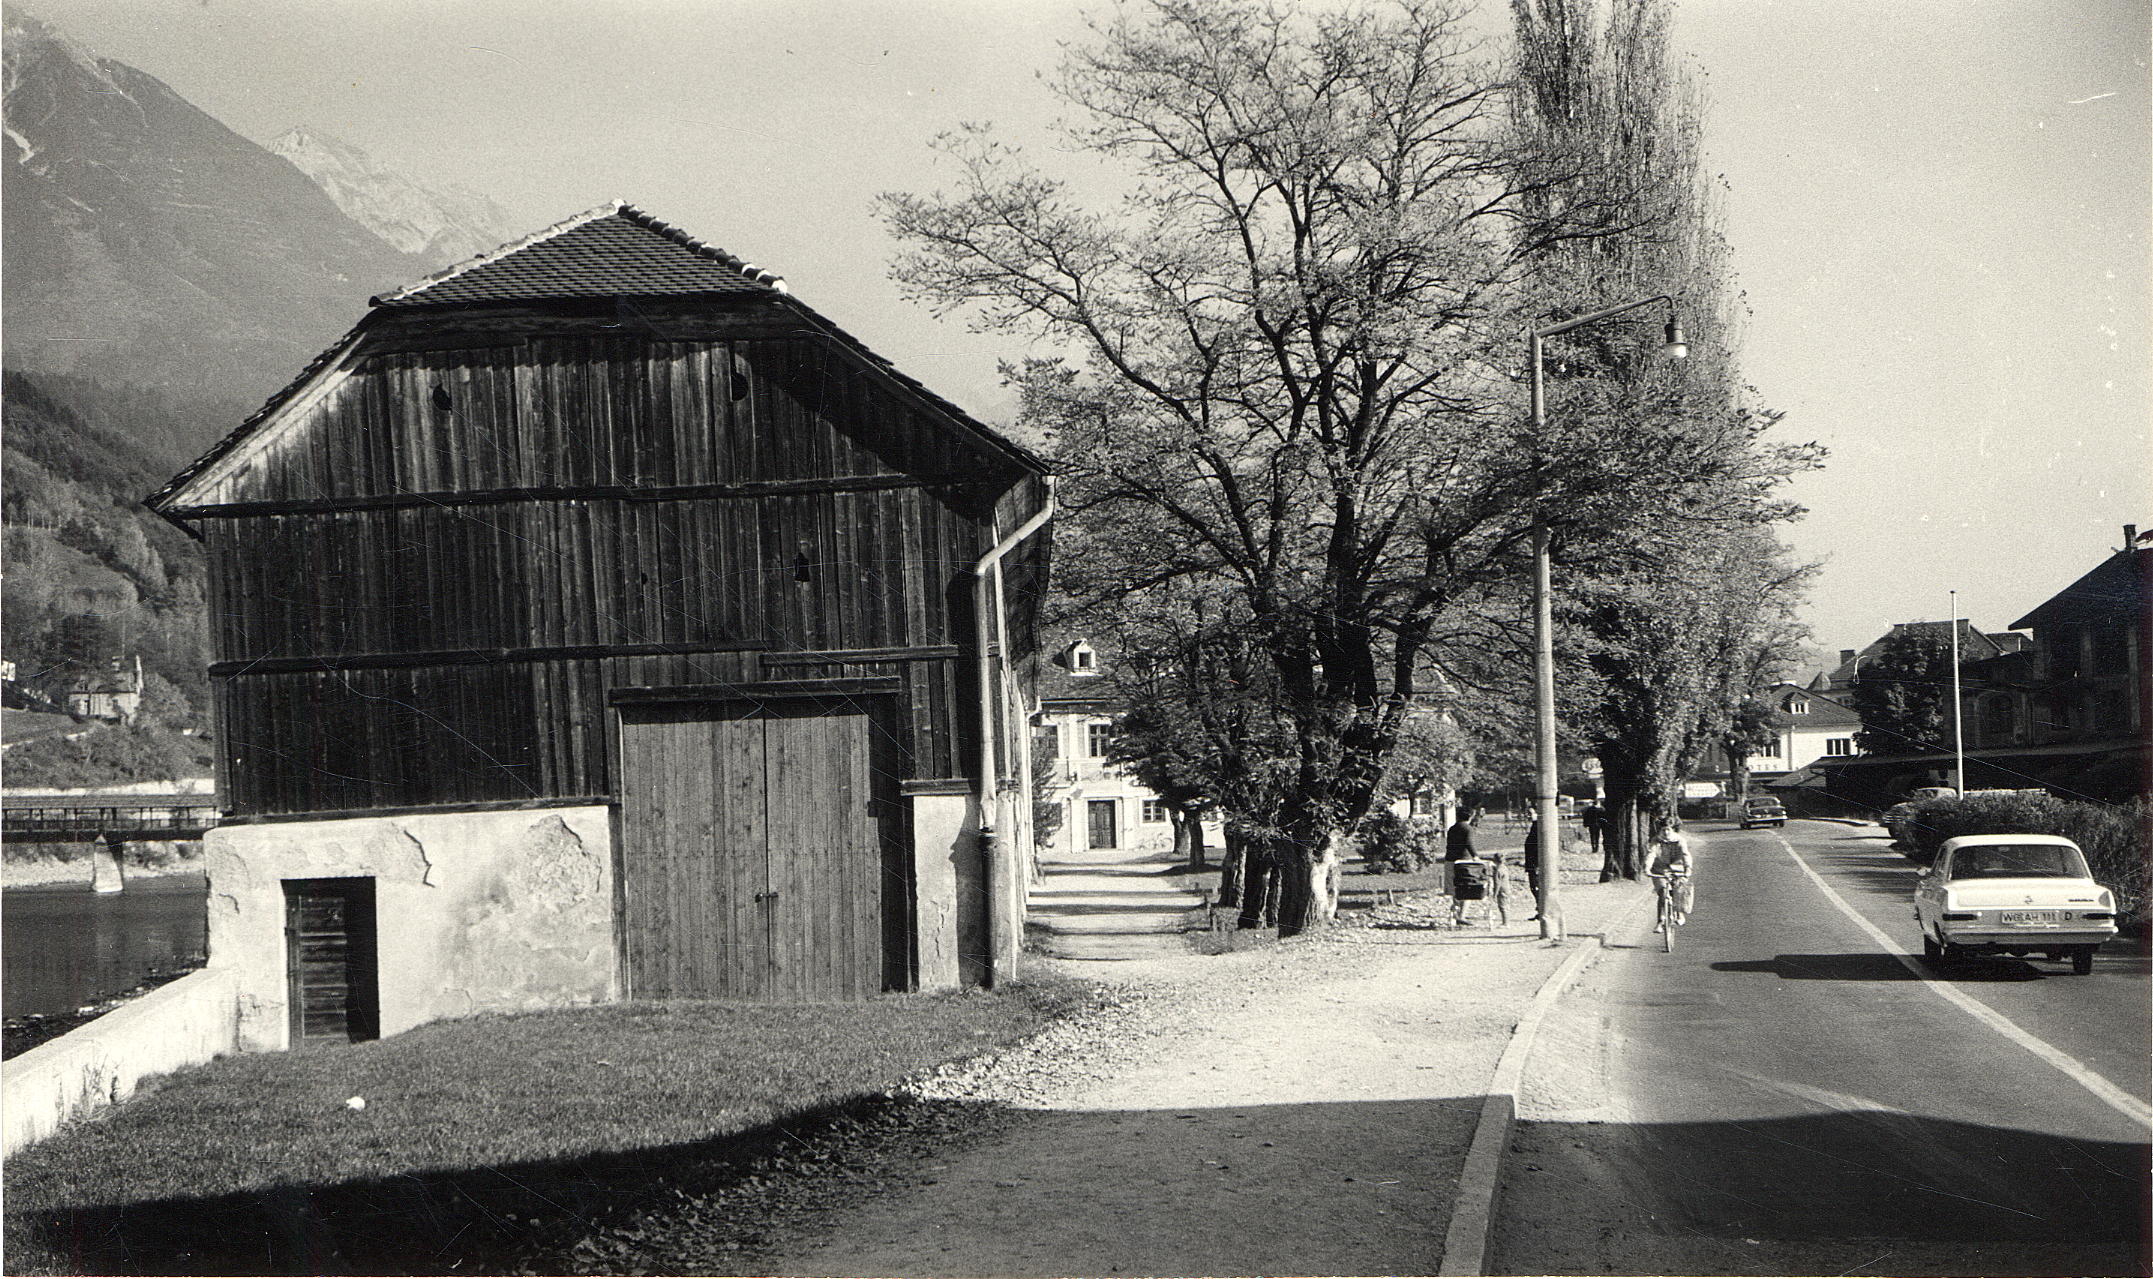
<point x="475" y="912"/>
<point x="950" y="891"/>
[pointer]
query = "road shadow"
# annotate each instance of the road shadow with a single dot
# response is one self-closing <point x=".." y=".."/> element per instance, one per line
<point x="1848" y="1192"/>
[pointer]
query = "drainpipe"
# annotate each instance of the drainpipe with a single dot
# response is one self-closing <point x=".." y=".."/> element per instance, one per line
<point x="1001" y="936"/>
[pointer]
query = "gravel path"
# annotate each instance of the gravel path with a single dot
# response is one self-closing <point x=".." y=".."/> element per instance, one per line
<point x="1302" y="1109"/>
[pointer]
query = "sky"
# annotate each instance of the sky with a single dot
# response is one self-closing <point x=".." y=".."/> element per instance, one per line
<point x="1938" y="210"/>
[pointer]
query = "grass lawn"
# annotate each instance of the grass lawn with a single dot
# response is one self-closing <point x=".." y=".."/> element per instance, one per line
<point x="488" y="1144"/>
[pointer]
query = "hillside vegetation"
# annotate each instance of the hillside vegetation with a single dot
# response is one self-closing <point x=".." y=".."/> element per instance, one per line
<point x="96" y="582"/>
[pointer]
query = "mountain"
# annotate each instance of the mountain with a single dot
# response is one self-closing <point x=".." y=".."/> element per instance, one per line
<point x="145" y="243"/>
<point x="440" y="224"/>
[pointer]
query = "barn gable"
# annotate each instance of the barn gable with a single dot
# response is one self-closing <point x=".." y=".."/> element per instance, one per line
<point x="462" y="383"/>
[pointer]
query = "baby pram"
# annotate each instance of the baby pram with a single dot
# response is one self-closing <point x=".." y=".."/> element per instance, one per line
<point x="1474" y="880"/>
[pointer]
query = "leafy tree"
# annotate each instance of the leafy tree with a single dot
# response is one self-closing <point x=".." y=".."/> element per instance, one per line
<point x="1903" y="694"/>
<point x="1433" y="753"/>
<point x="1753" y="727"/>
<point x="81" y="644"/>
<point x="166" y="706"/>
<point x="1281" y="364"/>
<point x="1665" y="609"/>
<point x="1205" y="727"/>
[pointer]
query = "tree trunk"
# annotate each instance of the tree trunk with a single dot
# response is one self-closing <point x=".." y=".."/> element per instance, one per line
<point x="1233" y="862"/>
<point x="1623" y="821"/>
<point x="1299" y="856"/>
<point x="1257" y="881"/>
<point x="1738" y="776"/>
<point x="1324" y="876"/>
<point x="1188" y="837"/>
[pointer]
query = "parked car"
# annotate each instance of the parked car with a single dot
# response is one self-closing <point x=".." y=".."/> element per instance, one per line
<point x="1899" y="818"/>
<point x="2012" y="895"/>
<point x="1763" y="812"/>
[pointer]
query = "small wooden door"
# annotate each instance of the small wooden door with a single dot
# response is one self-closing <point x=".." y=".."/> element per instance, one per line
<point x="331" y="961"/>
<point x="752" y="857"/>
<point x="1104" y="823"/>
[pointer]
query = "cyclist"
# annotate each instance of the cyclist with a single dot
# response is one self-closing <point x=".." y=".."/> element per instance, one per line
<point x="1671" y="869"/>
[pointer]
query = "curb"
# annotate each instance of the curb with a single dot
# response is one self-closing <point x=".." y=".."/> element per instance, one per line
<point x="1472" y="1214"/>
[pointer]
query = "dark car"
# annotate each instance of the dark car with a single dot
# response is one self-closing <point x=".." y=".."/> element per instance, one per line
<point x="1763" y="812"/>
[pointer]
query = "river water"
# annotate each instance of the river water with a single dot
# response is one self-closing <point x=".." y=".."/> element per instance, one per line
<point x="65" y="945"/>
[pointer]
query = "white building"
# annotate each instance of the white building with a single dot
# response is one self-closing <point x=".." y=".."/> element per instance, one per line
<point x="1815" y="724"/>
<point x="1100" y="806"/>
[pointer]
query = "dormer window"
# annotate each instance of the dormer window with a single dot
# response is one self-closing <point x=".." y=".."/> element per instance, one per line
<point x="1082" y="659"/>
<point x="1797" y="705"/>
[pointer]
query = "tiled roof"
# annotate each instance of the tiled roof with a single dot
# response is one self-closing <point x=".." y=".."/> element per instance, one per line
<point x="615" y="250"/>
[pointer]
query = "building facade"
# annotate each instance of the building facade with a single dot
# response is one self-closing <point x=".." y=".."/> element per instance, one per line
<point x="1090" y="805"/>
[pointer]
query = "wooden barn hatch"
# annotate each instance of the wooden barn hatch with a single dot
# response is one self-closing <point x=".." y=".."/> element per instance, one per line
<point x="331" y="961"/>
<point x="761" y="850"/>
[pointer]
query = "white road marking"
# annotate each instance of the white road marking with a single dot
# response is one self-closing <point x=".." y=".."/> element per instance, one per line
<point x="2130" y="1107"/>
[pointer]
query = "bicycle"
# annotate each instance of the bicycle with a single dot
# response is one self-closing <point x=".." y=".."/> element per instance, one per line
<point x="1671" y="915"/>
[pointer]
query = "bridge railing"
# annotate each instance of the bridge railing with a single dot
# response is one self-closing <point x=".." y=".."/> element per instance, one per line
<point x="23" y="822"/>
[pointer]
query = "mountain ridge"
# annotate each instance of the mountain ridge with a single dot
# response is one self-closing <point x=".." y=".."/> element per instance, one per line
<point x="145" y="242"/>
<point x="440" y="224"/>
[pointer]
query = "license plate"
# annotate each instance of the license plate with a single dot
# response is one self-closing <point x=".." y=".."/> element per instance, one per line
<point x="2027" y="917"/>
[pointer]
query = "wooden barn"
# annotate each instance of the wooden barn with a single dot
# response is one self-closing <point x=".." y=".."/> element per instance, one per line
<point x="595" y="620"/>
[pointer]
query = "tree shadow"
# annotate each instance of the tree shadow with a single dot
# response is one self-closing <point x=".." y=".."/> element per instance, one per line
<point x="1948" y="1195"/>
<point x="1878" y="966"/>
<point x="1845" y="1192"/>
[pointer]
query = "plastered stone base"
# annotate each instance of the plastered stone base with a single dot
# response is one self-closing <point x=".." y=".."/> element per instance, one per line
<point x="475" y="912"/>
<point x="949" y="891"/>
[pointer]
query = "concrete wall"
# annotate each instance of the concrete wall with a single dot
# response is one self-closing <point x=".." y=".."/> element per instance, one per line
<point x="181" y="1023"/>
<point x="476" y="912"/>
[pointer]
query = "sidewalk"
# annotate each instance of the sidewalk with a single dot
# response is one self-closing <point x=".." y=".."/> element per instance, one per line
<point x="1301" y="1109"/>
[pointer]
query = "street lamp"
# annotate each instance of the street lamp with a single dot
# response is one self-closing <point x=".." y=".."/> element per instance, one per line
<point x="1550" y="850"/>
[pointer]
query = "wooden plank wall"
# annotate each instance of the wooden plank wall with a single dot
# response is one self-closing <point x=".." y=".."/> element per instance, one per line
<point x="418" y="604"/>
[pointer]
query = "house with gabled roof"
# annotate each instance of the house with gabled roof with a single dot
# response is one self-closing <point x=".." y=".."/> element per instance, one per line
<point x="597" y="620"/>
<point x="1812" y="724"/>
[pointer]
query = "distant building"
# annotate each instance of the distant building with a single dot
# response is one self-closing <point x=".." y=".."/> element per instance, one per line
<point x="1099" y="806"/>
<point x="1814" y="725"/>
<point x="2064" y="708"/>
<point x="114" y="694"/>
<point x="2091" y="638"/>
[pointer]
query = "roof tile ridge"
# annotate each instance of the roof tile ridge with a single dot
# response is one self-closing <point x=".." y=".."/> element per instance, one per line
<point x="703" y="248"/>
<point x="468" y="265"/>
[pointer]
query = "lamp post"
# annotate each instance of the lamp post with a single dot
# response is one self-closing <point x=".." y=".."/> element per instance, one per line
<point x="1544" y="810"/>
<point x="1958" y="726"/>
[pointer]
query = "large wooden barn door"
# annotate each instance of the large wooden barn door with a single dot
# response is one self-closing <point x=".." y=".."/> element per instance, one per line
<point x="752" y="860"/>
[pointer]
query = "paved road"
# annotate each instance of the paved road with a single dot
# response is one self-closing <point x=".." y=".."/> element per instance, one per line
<point x="1782" y="1095"/>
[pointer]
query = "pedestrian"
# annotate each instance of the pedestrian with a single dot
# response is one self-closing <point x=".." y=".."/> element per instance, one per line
<point x="1532" y="860"/>
<point x="1458" y="840"/>
<point x="1458" y="847"/>
<point x="1595" y="819"/>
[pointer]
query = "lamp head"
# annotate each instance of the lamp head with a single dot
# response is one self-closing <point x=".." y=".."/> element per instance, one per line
<point x="1677" y="347"/>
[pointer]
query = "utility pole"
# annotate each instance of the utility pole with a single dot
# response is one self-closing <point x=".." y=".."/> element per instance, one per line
<point x="1545" y="810"/>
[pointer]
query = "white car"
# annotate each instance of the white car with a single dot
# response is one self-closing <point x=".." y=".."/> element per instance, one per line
<point x="2013" y="895"/>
